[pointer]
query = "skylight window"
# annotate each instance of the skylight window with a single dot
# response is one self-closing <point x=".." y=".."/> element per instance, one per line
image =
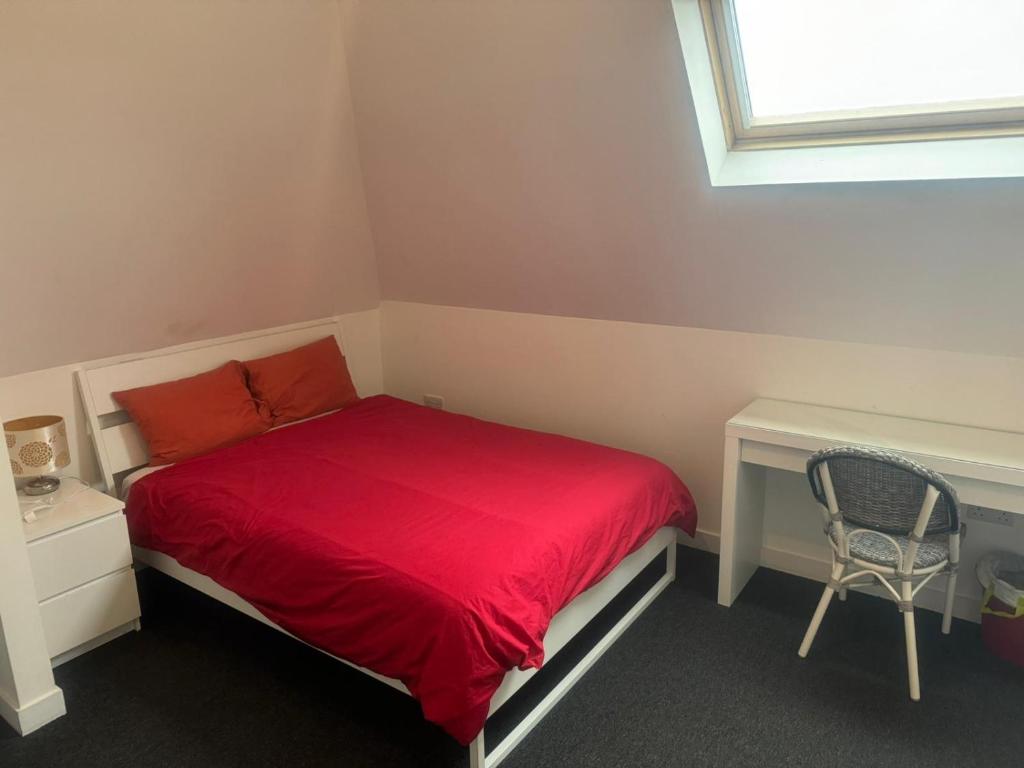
<point x="804" y="57"/>
<point x="819" y="72"/>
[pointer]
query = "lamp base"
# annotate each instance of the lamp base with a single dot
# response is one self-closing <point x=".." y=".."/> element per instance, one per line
<point x="41" y="486"/>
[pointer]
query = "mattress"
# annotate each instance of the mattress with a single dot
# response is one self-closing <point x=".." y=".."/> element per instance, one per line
<point x="426" y="546"/>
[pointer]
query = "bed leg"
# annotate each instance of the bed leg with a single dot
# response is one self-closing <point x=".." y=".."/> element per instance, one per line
<point x="670" y="563"/>
<point x="477" y="758"/>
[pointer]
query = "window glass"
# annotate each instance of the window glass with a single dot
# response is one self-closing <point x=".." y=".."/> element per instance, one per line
<point x="814" y="56"/>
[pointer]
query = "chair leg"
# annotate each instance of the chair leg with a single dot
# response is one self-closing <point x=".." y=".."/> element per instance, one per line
<point x="842" y="593"/>
<point x="909" y="629"/>
<point x="819" y="612"/>
<point x="947" y="613"/>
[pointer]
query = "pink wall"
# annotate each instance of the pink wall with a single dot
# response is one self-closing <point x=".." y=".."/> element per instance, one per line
<point x="173" y="171"/>
<point x="543" y="157"/>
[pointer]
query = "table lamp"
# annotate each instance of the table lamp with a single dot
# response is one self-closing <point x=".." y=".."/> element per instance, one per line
<point x="38" y="447"/>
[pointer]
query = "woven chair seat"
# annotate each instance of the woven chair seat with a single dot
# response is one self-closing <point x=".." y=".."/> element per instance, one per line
<point x="873" y="547"/>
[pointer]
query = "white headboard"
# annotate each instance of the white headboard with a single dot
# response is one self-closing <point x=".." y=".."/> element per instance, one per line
<point x="118" y="443"/>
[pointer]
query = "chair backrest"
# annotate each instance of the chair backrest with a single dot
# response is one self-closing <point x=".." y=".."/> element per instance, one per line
<point x="882" y="490"/>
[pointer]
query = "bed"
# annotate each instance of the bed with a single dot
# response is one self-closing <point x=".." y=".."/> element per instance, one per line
<point x="447" y="556"/>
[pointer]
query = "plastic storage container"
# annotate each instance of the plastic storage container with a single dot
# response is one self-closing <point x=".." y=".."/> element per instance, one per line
<point x="1002" y="609"/>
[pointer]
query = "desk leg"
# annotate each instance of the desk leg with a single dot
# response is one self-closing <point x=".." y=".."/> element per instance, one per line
<point x="742" y="522"/>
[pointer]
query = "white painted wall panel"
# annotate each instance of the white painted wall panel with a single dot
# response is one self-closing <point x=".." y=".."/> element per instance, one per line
<point x="667" y="391"/>
<point x="53" y="390"/>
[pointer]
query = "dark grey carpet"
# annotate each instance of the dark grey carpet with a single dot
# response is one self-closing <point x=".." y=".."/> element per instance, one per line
<point x="690" y="684"/>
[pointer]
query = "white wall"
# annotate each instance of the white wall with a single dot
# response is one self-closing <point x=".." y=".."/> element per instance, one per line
<point x="179" y="171"/>
<point x="53" y="390"/>
<point x="544" y="157"/>
<point x="174" y="171"/>
<point x="667" y="392"/>
<point x="28" y="696"/>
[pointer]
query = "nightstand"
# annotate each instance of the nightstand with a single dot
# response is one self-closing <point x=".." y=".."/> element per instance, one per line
<point x="82" y="567"/>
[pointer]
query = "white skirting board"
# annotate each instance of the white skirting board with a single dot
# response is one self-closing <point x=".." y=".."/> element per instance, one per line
<point x="930" y="598"/>
<point x="35" y="714"/>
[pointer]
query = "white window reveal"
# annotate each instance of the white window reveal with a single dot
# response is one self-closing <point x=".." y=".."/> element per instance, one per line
<point x="846" y="90"/>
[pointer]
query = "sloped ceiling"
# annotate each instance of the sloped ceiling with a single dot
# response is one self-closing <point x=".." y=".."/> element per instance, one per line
<point x="543" y="157"/>
<point x="172" y="171"/>
<point x="175" y="171"/>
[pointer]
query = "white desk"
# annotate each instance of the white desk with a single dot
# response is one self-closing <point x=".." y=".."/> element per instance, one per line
<point x="985" y="466"/>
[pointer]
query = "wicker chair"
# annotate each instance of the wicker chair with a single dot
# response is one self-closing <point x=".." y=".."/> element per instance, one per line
<point x="887" y="519"/>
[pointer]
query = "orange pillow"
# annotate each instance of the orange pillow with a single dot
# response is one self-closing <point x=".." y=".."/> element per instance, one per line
<point x="184" y="418"/>
<point x="302" y="382"/>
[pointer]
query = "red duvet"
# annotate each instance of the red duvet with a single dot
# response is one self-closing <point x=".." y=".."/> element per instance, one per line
<point x="426" y="546"/>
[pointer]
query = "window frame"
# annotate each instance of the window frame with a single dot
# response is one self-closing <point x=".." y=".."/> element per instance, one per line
<point x="979" y="119"/>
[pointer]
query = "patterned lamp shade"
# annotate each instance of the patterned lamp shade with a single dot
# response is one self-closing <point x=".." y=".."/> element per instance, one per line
<point x="37" y="445"/>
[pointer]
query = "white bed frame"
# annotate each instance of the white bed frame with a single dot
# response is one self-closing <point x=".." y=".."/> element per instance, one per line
<point x="120" y="449"/>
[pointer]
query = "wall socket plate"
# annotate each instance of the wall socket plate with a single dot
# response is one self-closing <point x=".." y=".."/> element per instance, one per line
<point x="434" y="401"/>
<point x="985" y="515"/>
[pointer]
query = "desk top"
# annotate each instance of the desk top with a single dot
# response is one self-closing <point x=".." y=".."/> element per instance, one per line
<point x="1003" y="450"/>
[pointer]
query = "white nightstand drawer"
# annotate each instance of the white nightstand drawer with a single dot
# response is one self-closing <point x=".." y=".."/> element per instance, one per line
<point x="72" y="557"/>
<point x="84" y="613"/>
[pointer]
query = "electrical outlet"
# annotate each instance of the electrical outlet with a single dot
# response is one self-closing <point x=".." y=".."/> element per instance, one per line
<point x="984" y="515"/>
<point x="434" y="401"/>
